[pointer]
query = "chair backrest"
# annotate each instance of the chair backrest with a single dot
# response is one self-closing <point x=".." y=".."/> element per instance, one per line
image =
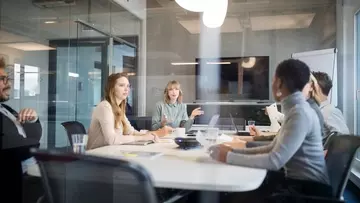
<point x="73" y="127"/>
<point x="339" y="158"/>
<point x="328" y="138"/>
<point x="143" y="122"/>
<point x="74" y="178"/>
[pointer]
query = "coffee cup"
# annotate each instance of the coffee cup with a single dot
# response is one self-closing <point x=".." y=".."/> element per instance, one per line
<point x="180" y="132"/>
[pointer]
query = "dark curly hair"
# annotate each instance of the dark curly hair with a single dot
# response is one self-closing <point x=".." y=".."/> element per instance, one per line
<point x="294" y="74"/>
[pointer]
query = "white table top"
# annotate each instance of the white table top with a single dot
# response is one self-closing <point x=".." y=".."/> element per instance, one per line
<point x="185" y="169"/>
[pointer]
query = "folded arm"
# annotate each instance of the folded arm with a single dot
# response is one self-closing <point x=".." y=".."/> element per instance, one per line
<point x="13" y="144"/>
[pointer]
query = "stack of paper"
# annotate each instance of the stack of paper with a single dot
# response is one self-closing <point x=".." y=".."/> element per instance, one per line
<point x="273" y="113"/>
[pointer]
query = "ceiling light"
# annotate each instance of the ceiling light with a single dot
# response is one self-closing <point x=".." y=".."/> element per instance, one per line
<point x="50" y="22"/>
<point x="192" y="5"/>
<point x="184" y="63"/>
<point x="215" y="13"/>
<point x="250" y="63"/>
<point x="29" y="46"/>
<point x="131" y="74"/>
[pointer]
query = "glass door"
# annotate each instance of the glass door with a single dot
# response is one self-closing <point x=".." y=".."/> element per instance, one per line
<point x="124" y="60"/>
<point x="82" y="67"/>
<point x="92" y="69"/>
<point x="81" y="71"/>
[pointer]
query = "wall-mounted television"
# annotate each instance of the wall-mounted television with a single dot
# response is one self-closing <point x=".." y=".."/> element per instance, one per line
<point x="232" y="78"/>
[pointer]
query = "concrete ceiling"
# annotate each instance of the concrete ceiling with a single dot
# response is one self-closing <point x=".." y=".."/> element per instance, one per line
<point x="26" y="21"/>
<point x="22" y="17"/>
<point x="279" y="14"/>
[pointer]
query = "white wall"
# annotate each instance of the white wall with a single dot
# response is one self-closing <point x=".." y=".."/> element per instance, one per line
<point x="39" y="103"/>
<point x="345" y="42"/>
<point x="168" y="41"/>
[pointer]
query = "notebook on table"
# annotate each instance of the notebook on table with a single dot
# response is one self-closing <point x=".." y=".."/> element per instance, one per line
<point x="139" y="154"/>
<point x="140" y="142"/>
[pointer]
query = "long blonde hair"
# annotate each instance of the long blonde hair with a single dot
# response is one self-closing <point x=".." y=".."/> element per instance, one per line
<point x="118" y="110"/>
<point x="169" y="86"/>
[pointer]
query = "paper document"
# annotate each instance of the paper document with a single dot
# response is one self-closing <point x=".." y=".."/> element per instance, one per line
<point x="224" y="138"/>
<point x="273" y="112"/>
<point x="139" y="154"/>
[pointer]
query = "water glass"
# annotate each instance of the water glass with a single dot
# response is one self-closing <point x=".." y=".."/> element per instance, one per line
<point x="79" y="142"/>
<point x="251" y="123"/>
<point x="212" y="135"/>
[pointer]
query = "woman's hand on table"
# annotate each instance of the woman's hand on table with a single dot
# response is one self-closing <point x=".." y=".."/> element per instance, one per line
<point x="219" y="152"/>
<point x="166" y="130"/>
<point x="150" y="136"/>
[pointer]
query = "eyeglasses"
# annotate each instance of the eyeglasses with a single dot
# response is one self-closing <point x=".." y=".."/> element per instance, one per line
<point x="5" y="79"/>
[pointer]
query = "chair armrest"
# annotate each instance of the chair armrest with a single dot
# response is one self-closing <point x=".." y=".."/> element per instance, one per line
<point x="302" y="198"/>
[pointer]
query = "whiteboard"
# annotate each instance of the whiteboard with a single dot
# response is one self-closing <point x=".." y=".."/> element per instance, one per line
<point x="325" y="61"/>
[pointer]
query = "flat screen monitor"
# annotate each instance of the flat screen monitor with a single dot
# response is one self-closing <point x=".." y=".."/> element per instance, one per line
<point x="232" y="78"/>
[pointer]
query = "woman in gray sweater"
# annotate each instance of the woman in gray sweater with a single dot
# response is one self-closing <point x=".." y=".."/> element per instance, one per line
<point x="298" y="148"/>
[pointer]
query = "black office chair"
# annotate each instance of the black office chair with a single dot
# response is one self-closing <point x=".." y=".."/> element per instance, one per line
<point x="341" y="152"/>
<point x="74" y="178"/>
<point x="143" y="122"/>
<point x="73" y="127"/>
<point x="327" y="140"/>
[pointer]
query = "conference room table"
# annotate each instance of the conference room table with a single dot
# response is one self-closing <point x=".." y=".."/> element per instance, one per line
<point x="190" y="169"/>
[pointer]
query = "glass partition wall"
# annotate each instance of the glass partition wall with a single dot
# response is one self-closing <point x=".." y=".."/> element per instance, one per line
<point x="81" y="78"/>
<point x="61" y="55"/>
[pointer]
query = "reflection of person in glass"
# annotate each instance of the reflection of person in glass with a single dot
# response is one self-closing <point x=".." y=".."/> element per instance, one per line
<point x="171" y="112"/>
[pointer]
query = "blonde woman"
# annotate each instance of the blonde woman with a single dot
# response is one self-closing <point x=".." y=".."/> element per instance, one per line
<point x="109" y="124"/>
<point x="171" y="111"/>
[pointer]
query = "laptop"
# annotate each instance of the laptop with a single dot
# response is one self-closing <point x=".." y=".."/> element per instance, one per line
<point x="240" y="133"/>
<point x="214" y="119"/>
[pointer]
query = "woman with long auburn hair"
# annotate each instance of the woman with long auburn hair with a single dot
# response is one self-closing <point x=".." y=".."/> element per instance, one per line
<point x="109" y="124"/>
<point x="171" y="111"/>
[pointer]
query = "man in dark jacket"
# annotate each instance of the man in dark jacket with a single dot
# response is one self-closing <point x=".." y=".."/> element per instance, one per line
<point x="19" y="131"/>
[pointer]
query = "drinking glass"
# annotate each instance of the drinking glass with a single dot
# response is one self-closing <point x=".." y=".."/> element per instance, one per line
<point x="79" y="142"/>
<point x="212" y="135"/>
<point x="251" y="123"/>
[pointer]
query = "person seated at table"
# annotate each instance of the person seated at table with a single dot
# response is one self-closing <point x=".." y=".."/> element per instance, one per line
<point x="333" y="117"/>
<point x="19" y="132"/>
<point x="297" y="149"/>
<point x="171" y="111"/>
<point x="109" y="124"/>
<point x="258" y="138"/>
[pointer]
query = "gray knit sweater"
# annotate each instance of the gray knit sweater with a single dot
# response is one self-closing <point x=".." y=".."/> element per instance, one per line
<point x="298" y="147"/>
